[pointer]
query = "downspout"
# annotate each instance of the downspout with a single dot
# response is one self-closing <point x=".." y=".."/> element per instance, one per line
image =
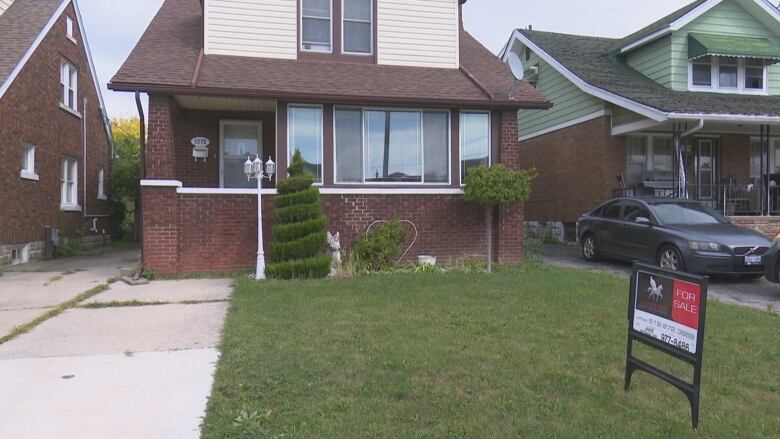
<point x="141" y="171"/>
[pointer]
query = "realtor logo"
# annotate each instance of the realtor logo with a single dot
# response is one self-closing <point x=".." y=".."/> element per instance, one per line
<point x="655" y="292"/>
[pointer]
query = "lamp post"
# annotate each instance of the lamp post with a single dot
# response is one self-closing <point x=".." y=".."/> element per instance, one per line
<point x="254" y="170"/>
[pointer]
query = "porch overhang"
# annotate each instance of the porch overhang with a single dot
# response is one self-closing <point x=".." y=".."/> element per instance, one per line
<point x="700" y="45"/>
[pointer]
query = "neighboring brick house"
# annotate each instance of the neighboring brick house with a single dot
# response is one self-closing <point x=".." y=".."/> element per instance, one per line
<point x="52" y="119"/>
<point x="389" y="101"/>
<point x="697" y="91"/>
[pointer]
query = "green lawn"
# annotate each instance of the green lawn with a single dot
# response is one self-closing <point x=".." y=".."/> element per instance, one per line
<point x="538" y="352"/>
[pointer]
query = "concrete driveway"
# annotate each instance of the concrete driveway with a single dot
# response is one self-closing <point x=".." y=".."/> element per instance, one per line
<point x="130" y="362"/>
<point x="758" y="293"/>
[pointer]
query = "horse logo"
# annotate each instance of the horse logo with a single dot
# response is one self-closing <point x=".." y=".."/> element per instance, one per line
<point x="655" y="292"/>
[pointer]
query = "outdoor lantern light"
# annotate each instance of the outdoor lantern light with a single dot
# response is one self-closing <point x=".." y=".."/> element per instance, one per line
<point x="254" y="170"/>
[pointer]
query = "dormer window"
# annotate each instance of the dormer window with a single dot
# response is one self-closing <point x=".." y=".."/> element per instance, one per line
<point x="728" y="74"/>
<point x="316" y="25"/>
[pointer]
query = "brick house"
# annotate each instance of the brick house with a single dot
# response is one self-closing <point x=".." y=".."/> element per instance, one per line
<point x="688" y="104"/>
<point x="55" y="140"/>
<point x="389" y="101"/>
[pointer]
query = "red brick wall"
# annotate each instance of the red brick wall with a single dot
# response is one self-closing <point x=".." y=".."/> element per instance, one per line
<point x="30" y="112"/>
<point x="510" y="218"/>
<point x="577" y="168"/>
<point x="769" y="226"/>
<point x="735" y="157"/>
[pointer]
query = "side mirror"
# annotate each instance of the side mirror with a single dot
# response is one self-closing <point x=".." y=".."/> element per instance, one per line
<point x="643" y="220"/>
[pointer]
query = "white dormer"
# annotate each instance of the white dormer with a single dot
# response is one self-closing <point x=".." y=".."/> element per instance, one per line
<point x="392" y="32"/>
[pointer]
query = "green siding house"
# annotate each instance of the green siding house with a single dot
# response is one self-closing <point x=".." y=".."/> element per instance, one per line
<point x="688" y="106"/>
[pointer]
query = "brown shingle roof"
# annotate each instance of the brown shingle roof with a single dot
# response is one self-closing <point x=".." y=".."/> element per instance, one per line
<point x="20" y="24"/>
<point x="166" y="57"/>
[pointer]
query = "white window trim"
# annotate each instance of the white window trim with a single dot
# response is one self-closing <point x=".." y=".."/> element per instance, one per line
<point x="371" y="35"/>
<point x="102" y="184"/>
<point x="715" y="79"/>
<point x="422" y="145"/>
<point x="460" y="141"/>
<point x="69" y="26"/>
<point x="649" y="164"/>
<point x="28" y="173"/>
<point x="73" y="206"/>
<point x="774" y="157"/>
<point x="66" y="65"/>
<point x="255" y="123"/>
<point x="300" y="26"/>
<point x="290" y="151"/>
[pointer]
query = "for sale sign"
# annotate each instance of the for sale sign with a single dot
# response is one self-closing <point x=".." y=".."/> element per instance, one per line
<point x="667" y="309"/>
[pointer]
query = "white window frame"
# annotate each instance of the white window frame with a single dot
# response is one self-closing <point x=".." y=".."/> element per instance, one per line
<point x="28" y="163"/>
<point x="300" y="26"/>
<point x="715" y="79"/>
<point x="74" y="191"/>
<point x="460" y="141"/>
<point x="69" y="25"/>
<point x="290" y="151"/>
<point x="774" y="154"/>
<point x="649" y="163"/>
<point x="371" y="35"/>
<point x="242" y="122"/>
<point x="69" y="80"/>
<point x="363" y="134"/>
<point x="101" y="184"/>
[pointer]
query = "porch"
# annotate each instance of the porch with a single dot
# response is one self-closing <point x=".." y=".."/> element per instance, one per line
<point x="730" y="199"/>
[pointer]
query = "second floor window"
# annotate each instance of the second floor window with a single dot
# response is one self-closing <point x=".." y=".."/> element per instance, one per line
<point x="738" y="75"/>
<point x="357" y="26"/>
<point x="68" y="86"/>
<point x="316" y="29"/>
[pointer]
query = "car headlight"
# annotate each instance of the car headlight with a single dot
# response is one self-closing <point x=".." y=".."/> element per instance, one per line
<point x="704" y="246"/>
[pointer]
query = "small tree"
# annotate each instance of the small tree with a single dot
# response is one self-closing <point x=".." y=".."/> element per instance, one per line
<point x="300" y="228"/>
<point x="124" y="191"/>
<point x="497" y="186"/>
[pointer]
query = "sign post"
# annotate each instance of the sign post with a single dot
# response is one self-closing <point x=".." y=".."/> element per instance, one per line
<point x="666" y="311"/>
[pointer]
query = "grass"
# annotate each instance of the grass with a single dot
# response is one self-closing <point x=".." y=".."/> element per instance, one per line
<point x="54" y="312"/>
<point x="537" y="352"/>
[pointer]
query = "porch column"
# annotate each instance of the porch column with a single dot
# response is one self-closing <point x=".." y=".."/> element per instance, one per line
<point x="160" y="227"/>
<point x="160" y="149"/>
<point x="511" y="219"/>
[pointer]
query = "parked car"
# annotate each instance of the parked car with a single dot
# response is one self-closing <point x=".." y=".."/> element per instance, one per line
<point x="673" y="233"/>
<point x="772" y="261"/>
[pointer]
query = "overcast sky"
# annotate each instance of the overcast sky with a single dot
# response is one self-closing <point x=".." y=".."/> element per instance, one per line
<point x="114" y="26"/>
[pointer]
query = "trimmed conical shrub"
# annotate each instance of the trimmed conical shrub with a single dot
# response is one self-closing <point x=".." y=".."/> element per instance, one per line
<point x="300" y="228"/>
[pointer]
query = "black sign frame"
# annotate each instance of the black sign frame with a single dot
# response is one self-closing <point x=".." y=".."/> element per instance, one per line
<point x="691" y="390"/>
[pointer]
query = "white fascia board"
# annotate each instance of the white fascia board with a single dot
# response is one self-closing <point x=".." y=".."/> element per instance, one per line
<point x="745" y="118"/>
<point x="162" y="183"/>
<point x="323" y="191"/>
<point x="592" y="90"/>
<point x="566" y="124"/>
<point x="634" y="126"/>
<point x="33" y="47"/>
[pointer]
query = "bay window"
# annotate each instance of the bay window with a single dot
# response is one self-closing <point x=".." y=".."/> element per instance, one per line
<point x="305" y="135"/>
<point x="391" y="146"/>
<point x="316" y="25"/>
<point x="357" y="26"/>
<point x="474" y="141"/>
<point x="731" y="74"/>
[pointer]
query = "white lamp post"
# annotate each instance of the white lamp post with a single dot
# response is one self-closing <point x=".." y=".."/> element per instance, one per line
<point x="254" y="169"/>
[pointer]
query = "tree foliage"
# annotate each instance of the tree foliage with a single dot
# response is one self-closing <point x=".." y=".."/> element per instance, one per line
<point x="124" y="182"/>
<point x="498" y="185"/>
<point x="300" y="228"/>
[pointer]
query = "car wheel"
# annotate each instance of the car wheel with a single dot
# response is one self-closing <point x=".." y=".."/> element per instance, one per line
<point x="590" y="248"/>
<point x="669" y="258"/>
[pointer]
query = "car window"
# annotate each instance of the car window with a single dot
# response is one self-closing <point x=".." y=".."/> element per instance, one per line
<point x="612" y="211"/>
<point x="634" y="211"/>
<point x="687" y="214"/>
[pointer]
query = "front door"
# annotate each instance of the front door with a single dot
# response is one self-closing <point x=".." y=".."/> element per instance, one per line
<point x="706" y="169"/>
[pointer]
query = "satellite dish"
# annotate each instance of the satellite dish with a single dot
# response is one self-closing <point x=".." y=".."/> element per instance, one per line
<point x="515" y="65"/>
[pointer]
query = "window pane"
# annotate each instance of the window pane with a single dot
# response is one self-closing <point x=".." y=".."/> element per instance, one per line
<point x="662" y="154"/>
<point x="393" y="149"/>
<point x="728" y="72"/>
<point x="316" y="34"/>
<point x="238" y="142"/>
<point x="357" y="37"/>
<point x="349" y="146"/>
<point x="357" y="10"/>
<point x="755" y="160"/>
<point x="637" y="160"/>
<point x="316" y="8"/>
<point x="306" y="136"/>
<point x="474" y="141"/>
<point x="436" y="145"/>
<point x="702" y="72"/>
<point x="754" y="74"/>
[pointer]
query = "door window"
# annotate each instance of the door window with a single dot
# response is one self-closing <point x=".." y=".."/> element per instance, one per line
<point x="612" y="211"/>
<point x="240" y="140"/>
<point x="634" y="211"/>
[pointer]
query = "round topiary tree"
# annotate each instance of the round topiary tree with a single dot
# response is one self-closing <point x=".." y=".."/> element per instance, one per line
<point x="497" y="186"/>
<point x="300" y="228"/>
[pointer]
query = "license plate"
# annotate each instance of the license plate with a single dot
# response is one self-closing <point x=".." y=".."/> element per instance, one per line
<point x="754" y="260"/>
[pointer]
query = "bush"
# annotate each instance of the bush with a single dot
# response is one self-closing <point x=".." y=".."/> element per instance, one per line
<point x="300" y="228"/>
<point x="68" y="248"/>
<point x="498" y="185"/>
<point x="381" y="247"/>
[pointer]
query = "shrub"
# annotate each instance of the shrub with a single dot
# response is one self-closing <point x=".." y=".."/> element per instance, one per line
<point x="68" y="248"/>
<point x="381" y="247"/>
<point x="300" y="228"/>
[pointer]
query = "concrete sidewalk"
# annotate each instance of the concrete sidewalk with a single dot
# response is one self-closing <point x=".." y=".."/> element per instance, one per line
<point x="116" y="366"/>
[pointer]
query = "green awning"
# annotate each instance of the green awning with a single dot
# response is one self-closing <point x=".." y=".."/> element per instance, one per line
<point x="724" y="45"/>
